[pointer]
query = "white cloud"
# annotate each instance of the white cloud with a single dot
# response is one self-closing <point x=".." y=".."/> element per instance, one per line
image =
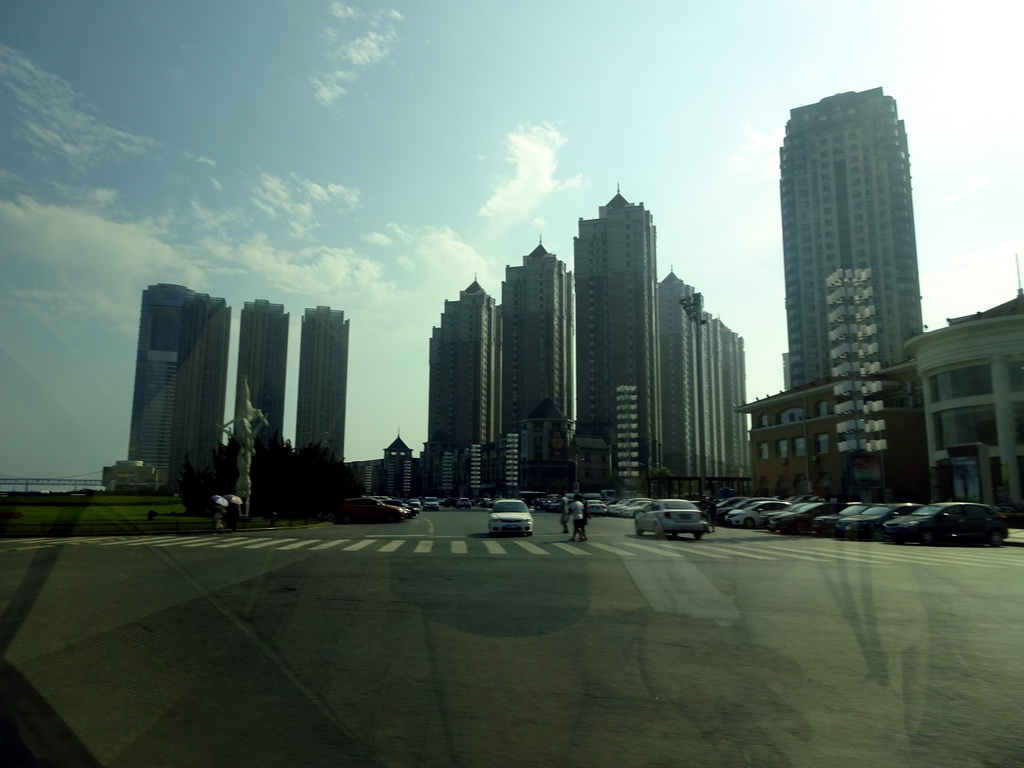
<point x="377" y="238"/>
<point x="201" y="159"/>
<point x="363" y="47"/>
<point x="328" y="87"/>
<point x="760" y="152"/>
<point x="972" y="186"/>
<point x="85" y="262"/>
<point x="370" y="49"/>
<point x="532" y="151"/>
<point x="48" y="116"/>
<point x="298" y="202"/>
<point x="342" y="11"/>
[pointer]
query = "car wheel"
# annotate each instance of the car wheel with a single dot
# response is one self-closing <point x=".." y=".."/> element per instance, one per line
<point x="927" y="538"/>
<point x="636" y="526"/>
<point x="698" y="534"/>
<point x="803" y="528"/>
<point x="748" y="523"/>
<point x="994" y="538"/>
<point x="673" y="535"/>
<point x="391" y="517"/>
<point x="346" y="519"/>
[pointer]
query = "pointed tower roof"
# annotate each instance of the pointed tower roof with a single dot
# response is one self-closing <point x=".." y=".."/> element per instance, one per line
<point x="546" y="409"/>
<point x="540" y="250"/>
<point x="398" y="445"/>
<point x="474" y="287"/>
<point x="670" y="278"/>
<point x="618" y="201"/>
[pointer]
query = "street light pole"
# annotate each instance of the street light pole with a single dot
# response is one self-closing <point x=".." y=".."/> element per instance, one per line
<point x="693" y="305"/>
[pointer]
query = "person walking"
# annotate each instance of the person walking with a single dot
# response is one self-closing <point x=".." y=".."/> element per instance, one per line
<point x="710" y="510"/>
<point x="218" y="519"/>
<point x="565" y="513"/>
<point x="578" y="510"/>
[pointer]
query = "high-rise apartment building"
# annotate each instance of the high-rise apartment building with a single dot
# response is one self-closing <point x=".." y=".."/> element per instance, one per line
<point x="465" y="362"/>
<point x="201" y="385"/>
<point x="323" y="380"/>
<point x="263" y="363"/>
<point x="846" y="204"/>
<point x="536" y="338"/>
<point x="616" y="314"/>
<point x="156" y="369"/>
<point x="687" y="419"/>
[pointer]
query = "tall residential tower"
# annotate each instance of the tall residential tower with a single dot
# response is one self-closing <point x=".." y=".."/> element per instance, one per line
<point x="846" y="204"/>
<point x="617" y="355"/>
<point x="536" y="338"/>
<point x="323" y="380"/>
<point x="263" y="362"/>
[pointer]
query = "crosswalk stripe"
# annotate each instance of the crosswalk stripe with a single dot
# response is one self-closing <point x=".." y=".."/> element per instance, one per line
<point x="494" y="547"/>
<point x="570" y="548"/>
<point x="613" y="550"/>
<point x="300" y="544"/>
<point x="329" y="544"/>
<point x="532" y="548"/>
<point x="206" y="543"/>
<point x="655" y="550"/>
<point x="738" y="551"/>
<point x="423" y="547"/>
<point x="391" y="546"/>
<point x="691" y="550"/>
<point x="145" y="541"/>
<point x="266" y="543"/>
<point x="360" y="545"/>
<point x="459" y="548"/>
<point x="236" y="542"/>
<point x="181" y="540"/>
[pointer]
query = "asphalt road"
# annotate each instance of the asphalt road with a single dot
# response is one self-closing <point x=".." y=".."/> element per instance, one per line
<point x="428" y="644"/>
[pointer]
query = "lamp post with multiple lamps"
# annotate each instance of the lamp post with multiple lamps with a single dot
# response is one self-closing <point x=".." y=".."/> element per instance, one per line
<point x="855" y="359"/>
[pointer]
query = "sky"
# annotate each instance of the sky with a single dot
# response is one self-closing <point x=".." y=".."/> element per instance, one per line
<point x="377" y="158"/>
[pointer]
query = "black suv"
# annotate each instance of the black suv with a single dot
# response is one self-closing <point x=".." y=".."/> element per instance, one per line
<point x="949" y="521"/>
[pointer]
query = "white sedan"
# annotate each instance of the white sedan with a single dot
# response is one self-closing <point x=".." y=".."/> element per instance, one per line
<point x="671" y="517"/>
<point x="510" y="516"/>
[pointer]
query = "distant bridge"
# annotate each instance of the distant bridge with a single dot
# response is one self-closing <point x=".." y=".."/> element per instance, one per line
<point x="29" y="482"/>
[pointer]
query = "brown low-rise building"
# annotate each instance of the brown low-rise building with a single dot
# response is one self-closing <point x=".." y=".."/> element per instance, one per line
<point x="794" y="443"/>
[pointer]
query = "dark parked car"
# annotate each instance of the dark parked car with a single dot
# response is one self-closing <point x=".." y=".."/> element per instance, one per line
<point x="827" y="523"/>
<point x="798" y="518"/>
<point x="365" y="509"/>
<point x="949" y="521"/>
<point x="869" y="522"/>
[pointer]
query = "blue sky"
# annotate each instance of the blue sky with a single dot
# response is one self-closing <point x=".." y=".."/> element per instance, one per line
<point x="378" y="158"/>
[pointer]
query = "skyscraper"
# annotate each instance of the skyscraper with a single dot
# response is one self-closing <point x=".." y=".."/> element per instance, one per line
<point x="465" y="363"/>
<point x="263" y="362"/>
<point x="156" y="369"/>
<point x="722" y="380"/>
<point x="616" y="314"/>
<point x="846" y="204"/>
<point x="201" y="386"/>
<point x="536" y="338"/>
<point x="323" y="380"/>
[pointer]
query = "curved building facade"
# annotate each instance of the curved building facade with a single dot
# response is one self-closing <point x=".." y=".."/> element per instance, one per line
<point x="972" y="373"/>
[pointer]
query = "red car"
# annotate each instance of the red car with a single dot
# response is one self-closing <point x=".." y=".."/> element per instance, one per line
<point x="368" y="510"/>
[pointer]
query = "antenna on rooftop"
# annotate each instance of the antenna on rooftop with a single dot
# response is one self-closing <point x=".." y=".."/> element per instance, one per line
<point x="1020" y="290"/>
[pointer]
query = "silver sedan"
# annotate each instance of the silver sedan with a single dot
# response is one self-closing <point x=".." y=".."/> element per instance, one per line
<point x="671" y="517"/>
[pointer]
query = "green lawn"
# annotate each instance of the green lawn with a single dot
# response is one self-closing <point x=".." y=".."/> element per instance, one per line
<point x="104" y="514"/>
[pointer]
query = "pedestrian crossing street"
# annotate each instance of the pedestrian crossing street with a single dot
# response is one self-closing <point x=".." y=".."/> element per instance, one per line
<point x="756" y="548"/>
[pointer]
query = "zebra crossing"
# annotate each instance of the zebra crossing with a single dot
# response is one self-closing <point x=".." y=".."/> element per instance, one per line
<point x="761" y="549"/>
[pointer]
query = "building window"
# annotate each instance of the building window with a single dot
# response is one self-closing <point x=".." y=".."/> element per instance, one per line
<point x="782" y="449"/>
<point x="963" y="382"/>
<point x="1017" y="377"/>
<point x="821" y="442"/>
<point x="762" y="450"/>
<point x="957" y="426"/>
<point x="799" y="446"/>
<point x="821" y="409"/>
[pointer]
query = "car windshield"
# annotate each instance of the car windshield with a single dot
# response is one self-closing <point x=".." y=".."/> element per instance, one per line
<point x="224" y="225"/>
<point x="929" y="511"/>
